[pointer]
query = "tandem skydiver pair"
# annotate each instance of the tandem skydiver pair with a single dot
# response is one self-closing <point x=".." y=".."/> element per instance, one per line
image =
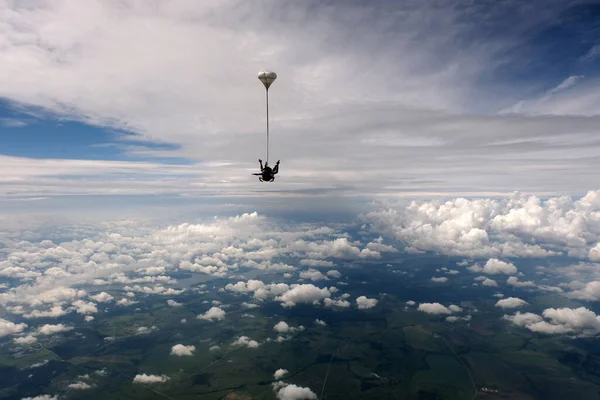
<point x="267" y="174"/>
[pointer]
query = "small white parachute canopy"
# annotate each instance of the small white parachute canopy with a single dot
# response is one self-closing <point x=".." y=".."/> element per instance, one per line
<point x="267" y="77"/>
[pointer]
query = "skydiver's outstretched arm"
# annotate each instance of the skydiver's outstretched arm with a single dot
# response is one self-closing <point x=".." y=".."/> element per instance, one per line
<point x="276" y="169"/>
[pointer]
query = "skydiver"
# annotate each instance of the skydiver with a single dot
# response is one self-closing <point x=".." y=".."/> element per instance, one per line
<point x="267" y="174"/>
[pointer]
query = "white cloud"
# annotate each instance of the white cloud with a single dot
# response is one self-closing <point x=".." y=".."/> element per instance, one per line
<point x="280" y="373"/>
<point x="182" y="350"/>
<point x="143" y="330"/>
<point x="454" y="308"/>
<point x="214" y="314"/>
<point x="439" y="280"/>
<point x="83" y="307"/>
<point x="334" y="274"/>
<point x="489" y="282"/>
<point x="49" y="329"/>
<point x="37" y="365"/>
<point x="245" y="341"/>
<point x="79" y="386"/>
<point x="341" y="303"/>
<point x="102" y="297"/>
<point x="292" y="392"/>
<point x="88" y="318"/>
<point x="514" y="281"/>
<point x="368" y="253"/>
<point x="173" y="303"/>
<point x="434" y="308"/>
<point x="126" y="302"/>
<point x="26" y="340"/>
<point x="41" y="397"/>
<point x="316" y="263"/>
<point x="306" y="294"/>
<point x="410" y="303"/>
<point x="53" y="312"/>
<point x="320" y="322"/>
<point x="511" y="302"/>
<point x="579" y="322"/>
<point x="594" y="253"/>
<point x="519" y="226"/>
<point x="313" y="275"/>
<point x="154" y="270"/>
<point x="250" y="305"/>
<point x="365" y="303"/>
<point x="144" y="378"/>
<point x="282" y="327"/>
<point x="494" y="266"/>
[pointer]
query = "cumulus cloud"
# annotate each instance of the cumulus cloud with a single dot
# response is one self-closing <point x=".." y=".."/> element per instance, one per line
<point x="282" y="327"/>
<point x="434" y="308"/>
<point x="520" y="226"/>
<point x="138" y="258"/>
<point x="594" y="253"/>
<point x="454" y="308"/>
<point x="514" y="281"/>
<point x="280" y="373"/>
<point x="494" y="266"/>
<point x="53" y="312"/>
<point x="334" y="274"/>
<point x="303" y="294"/>
<point x="316" y="263"/>
<point x="25" y="340"/>
<point x="368" y="253"/>
<point x="126" y="302"/>
<point x="182" y="350"/>
<point x="49" y="329"/>
<point x="439" y="280"/>
<point x="511" y="302"/>
<point x="83" y="307"/>
<point x="286" y="391"/>
<point x="102" y="297"/>
<point x="154" y="270"/>
<point x="214" y="314"/>
<point x="313" y="275"/>
<point x="144" y="378"/>
<point x="79" y="386"/>
<point x="173" y="303"/>
<point x="41" y="397"/>
<point x="489" y="282"/>
<point x="364" y="303"/>
<point x="577" y="322"/>
<point x="245" y="341"/>
<point x="341" y="303"/>
<point x="37" y="365"/>
<point x="320" y="322"/>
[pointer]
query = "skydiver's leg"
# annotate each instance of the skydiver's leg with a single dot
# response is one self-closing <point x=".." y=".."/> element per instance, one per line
<point x="261" y="166"/>
<point x="276" y="169"/>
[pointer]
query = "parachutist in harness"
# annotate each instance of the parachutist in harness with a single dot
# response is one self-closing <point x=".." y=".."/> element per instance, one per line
<point x="266" y="173"/>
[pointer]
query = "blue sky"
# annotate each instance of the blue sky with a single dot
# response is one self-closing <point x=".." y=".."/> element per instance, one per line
<point x="380" y="99"/>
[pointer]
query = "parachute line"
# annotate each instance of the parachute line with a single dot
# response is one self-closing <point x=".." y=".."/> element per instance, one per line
<point x="267" y="90"/>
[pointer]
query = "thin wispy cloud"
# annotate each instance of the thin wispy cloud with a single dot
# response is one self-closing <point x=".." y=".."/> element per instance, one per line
<point x="383" y="99"/>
